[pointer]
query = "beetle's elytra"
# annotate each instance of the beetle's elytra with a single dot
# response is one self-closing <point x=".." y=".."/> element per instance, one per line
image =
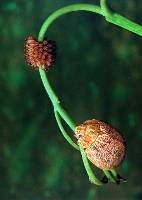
<point x="104" y="146"/>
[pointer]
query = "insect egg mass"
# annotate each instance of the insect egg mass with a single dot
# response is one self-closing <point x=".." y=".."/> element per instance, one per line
<point x="40" y="53"/>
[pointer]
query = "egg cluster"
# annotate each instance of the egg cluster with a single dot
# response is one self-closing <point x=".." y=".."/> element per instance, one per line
<point x="40" y="54"/>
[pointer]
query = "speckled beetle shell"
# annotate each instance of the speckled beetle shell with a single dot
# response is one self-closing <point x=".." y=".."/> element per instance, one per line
<point x="103" y="145"/>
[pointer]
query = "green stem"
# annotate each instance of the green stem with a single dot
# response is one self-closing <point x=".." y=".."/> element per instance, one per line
<point x="104" y="8"/>
<point x="69" y="140"/>
<point x="57" y="108"/>
<point x="125" y="23"/>
<point x="54" y="99"/>
<point x="91" y="176"/>
<point x="65" y="10"/>
<point x="109" y="176"/>
<point x="112" y="18"/>
<point x="114" y="173"/>
<point x="119" y="20"/>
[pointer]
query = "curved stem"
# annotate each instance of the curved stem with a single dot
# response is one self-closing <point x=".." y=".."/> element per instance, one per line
<point x="65" y="10"/>
<point x="112" y="18"/>
<point x="91" y="176"/>
<point x="64" y="133"/>
<point x="57" y="108"/>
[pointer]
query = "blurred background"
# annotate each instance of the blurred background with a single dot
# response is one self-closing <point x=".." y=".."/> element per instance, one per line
<point x="97" y="75"/>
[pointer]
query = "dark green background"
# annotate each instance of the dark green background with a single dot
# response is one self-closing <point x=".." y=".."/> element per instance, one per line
<point x="97" y="75"/>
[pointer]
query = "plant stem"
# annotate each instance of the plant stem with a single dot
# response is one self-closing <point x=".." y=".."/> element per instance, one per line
<point x="109" y="176"/>
<point x="65" y="10"/>
<point x="58" y="109"/>
<point x="112" y="18"/>
<point x="54" y="99"/>
<point x="114" y="173"/>
<point x="104" y="8"/>
<point x="69" y="140"/>
<point x="91" y="175"/>
<point x="119" y="20"/>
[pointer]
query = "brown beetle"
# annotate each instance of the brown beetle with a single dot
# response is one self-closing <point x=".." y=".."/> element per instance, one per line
<point x="103" y="145"/>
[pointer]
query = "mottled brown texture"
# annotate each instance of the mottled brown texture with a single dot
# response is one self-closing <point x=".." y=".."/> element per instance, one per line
<point x="103" y="145"/>
<point x="40" y="53"/>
